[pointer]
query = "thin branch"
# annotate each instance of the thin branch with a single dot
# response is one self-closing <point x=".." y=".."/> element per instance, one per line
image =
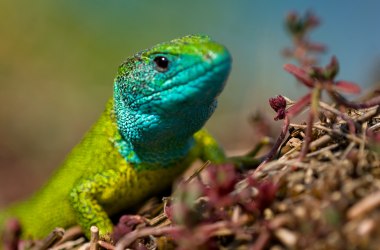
<point x="343" y="101"/>
<point x="198" y="171"/>
<point x="327" y="107"/>
<point x="276" y="145"/>
<point x="331" y="131"/>
<point x="328" y="148"/>
<point x="128" y="239"/>
<point x="55" y="236"/>
<point x="94" y="238"/>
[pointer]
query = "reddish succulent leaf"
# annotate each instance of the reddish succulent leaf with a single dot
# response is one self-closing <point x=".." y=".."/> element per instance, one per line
<point x="168" y="210"/>
<point x="127" y="223"/>
<point x="266" y="195"/>
<point x="222" y="182"/>
<point x="300" y="74"/>
<point x="347" y="87"/>
<point x="299" y="105"/>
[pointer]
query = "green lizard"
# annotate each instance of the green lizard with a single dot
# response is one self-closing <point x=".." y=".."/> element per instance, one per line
<point x="149" y="133"/>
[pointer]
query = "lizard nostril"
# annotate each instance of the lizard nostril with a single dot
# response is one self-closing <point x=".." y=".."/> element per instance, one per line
<point x="208" y="56"/>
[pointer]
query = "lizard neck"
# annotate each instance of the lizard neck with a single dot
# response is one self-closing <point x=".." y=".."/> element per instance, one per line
<point x="142" y="154"/>
<point x="159" y="137"/>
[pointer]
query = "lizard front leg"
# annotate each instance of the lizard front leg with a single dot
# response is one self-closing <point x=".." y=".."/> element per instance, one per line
<point x="90" y="193"/>
<point x="210" y="149"/>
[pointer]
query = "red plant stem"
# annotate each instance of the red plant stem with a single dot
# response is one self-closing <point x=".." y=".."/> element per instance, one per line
<point x="262" y="240"/>
<point x="277" y="144"/>
<point x="343" y="101"/>
<point x="315" y="98"/>
<point x="346" y="103"/>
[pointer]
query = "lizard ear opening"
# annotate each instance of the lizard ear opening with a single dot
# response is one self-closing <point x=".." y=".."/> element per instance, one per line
<point x="162" y="63"/>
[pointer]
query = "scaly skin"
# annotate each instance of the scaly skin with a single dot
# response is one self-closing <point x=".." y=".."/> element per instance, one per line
<point x="149" y="133"/>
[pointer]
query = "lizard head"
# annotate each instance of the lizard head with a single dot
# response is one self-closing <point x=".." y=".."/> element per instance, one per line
<point x="170" y="90"/>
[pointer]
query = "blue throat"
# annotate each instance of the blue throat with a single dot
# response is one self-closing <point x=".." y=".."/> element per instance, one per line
<point x="153" y="139"/>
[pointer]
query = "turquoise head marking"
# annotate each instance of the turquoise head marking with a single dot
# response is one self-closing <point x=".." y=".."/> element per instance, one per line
<point x="165" y="94"/>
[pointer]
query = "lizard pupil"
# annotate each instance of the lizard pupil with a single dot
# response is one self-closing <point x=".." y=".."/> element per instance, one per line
<point x="162" y="63"/>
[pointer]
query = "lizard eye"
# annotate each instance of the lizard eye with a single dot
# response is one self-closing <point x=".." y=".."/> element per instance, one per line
<point x="162" y="63"/>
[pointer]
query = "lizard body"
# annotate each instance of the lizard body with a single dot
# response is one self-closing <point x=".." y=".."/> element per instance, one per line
<point x="149" y="133"/>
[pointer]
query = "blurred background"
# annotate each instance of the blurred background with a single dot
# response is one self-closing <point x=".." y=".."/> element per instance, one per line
<point x="58" y="59"/>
